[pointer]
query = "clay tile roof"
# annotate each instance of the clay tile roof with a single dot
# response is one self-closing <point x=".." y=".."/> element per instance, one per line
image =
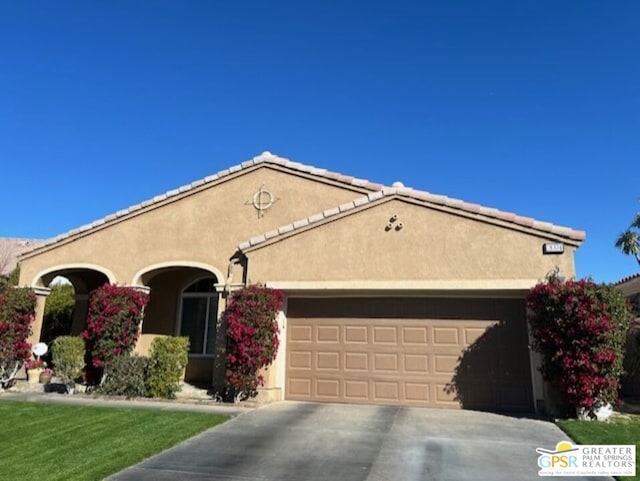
<point x="377" y="191"/>
<point x="491" y="213"/>
<point x="627" y="279"/>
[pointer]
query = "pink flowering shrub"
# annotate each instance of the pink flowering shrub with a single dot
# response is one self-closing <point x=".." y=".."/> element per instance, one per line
<point x="580" y="329"/>
<point x="252" y="336"/>
<point x="113" y="321"/>
<point x="17" y="313"/>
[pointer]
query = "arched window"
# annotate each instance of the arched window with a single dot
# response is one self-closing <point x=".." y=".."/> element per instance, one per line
<point x="198" y="315"/>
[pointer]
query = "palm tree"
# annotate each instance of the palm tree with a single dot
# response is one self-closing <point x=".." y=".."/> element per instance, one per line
<point x="629" y="241"/>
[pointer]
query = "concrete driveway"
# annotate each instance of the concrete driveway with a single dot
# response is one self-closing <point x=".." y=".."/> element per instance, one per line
<point x="306" y="442"/>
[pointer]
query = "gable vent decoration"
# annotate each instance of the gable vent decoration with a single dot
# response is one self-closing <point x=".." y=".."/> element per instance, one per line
<point x="262" y="200"/>
<point x="394" y="224"/>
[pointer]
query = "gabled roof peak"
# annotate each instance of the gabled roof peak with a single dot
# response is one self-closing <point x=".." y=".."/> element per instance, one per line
<point x="378" y="191"/>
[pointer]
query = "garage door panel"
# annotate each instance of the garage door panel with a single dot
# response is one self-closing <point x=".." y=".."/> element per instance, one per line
<point x="445" y="364"/>
<point x="356" y="334"/>
<point x="385" y="335"/>
<point x="386" y="391"/>
<point x="446" y="336"/>
<point x="385" y="362"/>
<point x="356" y="391"/>
<point x="329" y="334"/>
<point x="329" y="389"/>
<point x="300" y="333"/>
<point x="356" y="361"/>
<point x="471" y="358"/>
<point x="415" y="335"/>
<point x="299" y="387"/>
<point x="328" y="361"/>
<point x="416" y="392"/>
<point x="300" y="359"/>
<point x="416" y="364"/>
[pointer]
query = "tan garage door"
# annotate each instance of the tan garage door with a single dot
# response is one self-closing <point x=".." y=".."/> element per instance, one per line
<point x="424" y="352"/>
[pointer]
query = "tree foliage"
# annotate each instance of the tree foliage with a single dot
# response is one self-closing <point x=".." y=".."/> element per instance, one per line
<point x="17" y="313"/>
<point x="629" y="241"/>
<point x="580" y="329"/>
<point x="252" y="336"/>
<point x="113" y="321"/>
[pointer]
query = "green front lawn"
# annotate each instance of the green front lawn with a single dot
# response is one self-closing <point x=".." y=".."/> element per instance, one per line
<point x="81" y="443"/>
<point x="623" y="429"/>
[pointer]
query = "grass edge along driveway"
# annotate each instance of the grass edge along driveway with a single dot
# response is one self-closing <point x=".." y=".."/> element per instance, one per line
<point x="620" y="429"/>
<point x="82" y="443"/>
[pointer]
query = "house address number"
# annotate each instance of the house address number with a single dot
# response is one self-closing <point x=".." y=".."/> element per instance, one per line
<point x="553" y="248"/>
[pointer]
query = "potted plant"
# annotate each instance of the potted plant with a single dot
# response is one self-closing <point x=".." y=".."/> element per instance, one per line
<point x="46" y="375"/>
<point x="34" y="367"/>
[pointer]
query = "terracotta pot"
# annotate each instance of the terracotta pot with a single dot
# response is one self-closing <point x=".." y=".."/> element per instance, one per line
<point x="44" y="378"/>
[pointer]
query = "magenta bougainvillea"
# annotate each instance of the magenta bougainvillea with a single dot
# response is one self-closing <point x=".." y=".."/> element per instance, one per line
<point x="580" y="328"/>
<point x="113" y="322"/>
<point x="252" y="336"/>
<point x="17" y="313"/>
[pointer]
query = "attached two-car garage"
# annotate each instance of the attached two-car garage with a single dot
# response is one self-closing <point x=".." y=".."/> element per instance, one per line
<point x="422" y="351"/>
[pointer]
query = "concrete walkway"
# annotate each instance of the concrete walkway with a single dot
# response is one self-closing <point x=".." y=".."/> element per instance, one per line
<point x="185" y="404"/>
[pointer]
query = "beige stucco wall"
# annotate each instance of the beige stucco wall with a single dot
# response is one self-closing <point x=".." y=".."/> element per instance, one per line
<point x="204" y="227"/>
<point x="431" y="245"/>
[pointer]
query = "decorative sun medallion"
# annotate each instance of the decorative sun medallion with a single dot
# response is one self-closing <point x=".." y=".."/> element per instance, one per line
<point x="262" y="200"/>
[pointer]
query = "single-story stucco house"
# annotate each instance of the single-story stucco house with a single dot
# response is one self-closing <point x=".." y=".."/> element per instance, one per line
<point x="394" y="295"/>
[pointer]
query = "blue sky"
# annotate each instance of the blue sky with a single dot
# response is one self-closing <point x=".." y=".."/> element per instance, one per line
<point x="530" y="106"/>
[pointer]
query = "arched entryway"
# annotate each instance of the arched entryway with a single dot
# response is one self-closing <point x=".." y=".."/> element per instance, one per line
<point x="185" y="300"/>
<point x="84" y="278"/>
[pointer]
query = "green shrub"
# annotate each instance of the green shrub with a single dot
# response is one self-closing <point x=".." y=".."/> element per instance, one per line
<point x="125" y="376"/>
<point x="68" y="357"/>
<point x="167" y="361"/>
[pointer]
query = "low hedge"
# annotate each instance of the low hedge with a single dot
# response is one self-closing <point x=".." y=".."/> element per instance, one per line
<point x="126" y="376"/>
<point x="68" y="357"/>
<point x="167" y="361"/>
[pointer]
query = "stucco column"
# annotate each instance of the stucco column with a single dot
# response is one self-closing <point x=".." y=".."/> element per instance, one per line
<point x="36" y="328"/>
<point x="141" y="347"/>
<point x="219" y="363"/>
<point x="79" y="316"/>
